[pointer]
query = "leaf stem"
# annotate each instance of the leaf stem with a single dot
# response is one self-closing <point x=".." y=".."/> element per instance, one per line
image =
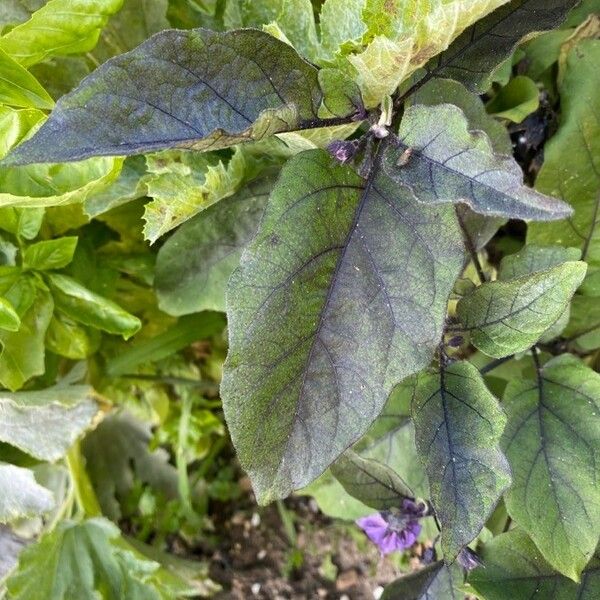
<point x="470" y="247"/>
<point x="85" y="495"/>
<point x="495" y="363"/>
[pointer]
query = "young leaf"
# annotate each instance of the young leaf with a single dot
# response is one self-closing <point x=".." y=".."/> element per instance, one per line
<point x="67" y="338"/>
<point x="89" y="308"/>
<point x="46" y="423"/>
<point x="516" y="100"/>
<point x="341" y="294"/>
<point x="552" y="442"/>
<point x="82" y="560"/>
<point x="9" y="318"/>
<point x="449" y="163"/>
<point x="476" y="55"/>
<point x="18" y="87"/>
<point x="515" y="569"/>
<point x="175" y="90"/>
<point x="571" y="167"/>
<point x="20" y="495"/>
<point x="434" y="582"/>
<point x="533" y="258"/>
<point x="194" y="265"/>
<point x="373" y="483"/>
<point x="60" y="27"/>
<point x="505" y="317"/>
<point x="22" y="354"/>
<point x="50" y="254"/>
<point x="458" y="425"/>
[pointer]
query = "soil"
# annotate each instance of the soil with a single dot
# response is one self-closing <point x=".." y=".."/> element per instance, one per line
<point x="255" y="558"/>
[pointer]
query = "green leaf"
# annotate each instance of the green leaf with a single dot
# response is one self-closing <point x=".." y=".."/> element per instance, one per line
<point x="533" y="258"/>
<point x="448" y="163"/>
<point x="15" y="124"/>
<point x="584" y="326"/>
<point x="188" y="185"/>
<point x="18" y="87"/>
<point x="45" y="423"/>
<point x="477" y="55"/>
<point x="515" y="569"/>
<point x="505" y="317"/>
<point x="59" y="27"/>
<point x="188" y="329"/>
<point x="20" y="495"/>
<point x="516" y="100"/>
<point x="89" y="308"/>
<point x="371" y="482"/>
<point x="22" y="222"/>
<point x="9" y="318"/>
<point x="571" y="168"/>
<point x="434" y="582"/>
<point x="552" y="441"/>
<point x="458" y="428"/>
<point x="22" y="354"/>
<point x="194" y="265"/>
<point x="83" y="561"/>
<point x="50" y="254"/>
<point x="67" y="338"/>
<point x="117" y="453"/>
<point x="341" y="294"/>
<point x="122" y="107"/>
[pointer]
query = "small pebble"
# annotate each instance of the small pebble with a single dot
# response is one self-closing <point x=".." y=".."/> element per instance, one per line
<point x="255" y="589"/>
<point x="378" y="592"/>
<point x="261" y="555"/>
<point x="255" y="520"/>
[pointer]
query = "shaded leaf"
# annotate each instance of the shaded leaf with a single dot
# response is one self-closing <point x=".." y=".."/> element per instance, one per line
<point x="515" y="569"/>
<point x="505" y="317"/>
<point x="341" y="294"/>
<point x="67" y="338"/>
<point x="82" y="560"/>
<point x="371" y="482"/>
<point x="552" y="442"/>
<point x="516" y="100"/>
<point x="117" y="453"/>
<point x="449" y="163"/>
<point x="45" y="423"/>
<point x="458" y="428"/>
<point x="122" y="108"/>
<point x="89" y="308"/>
<point x="50" y="254"/>
<point x="476" y="56"/>
<point x="533" y="258"/>
<point x="20" y="495"/>
<point x="434" y="582"/>
<point x="18" y="87"/>
<point x="58" y="27"/>
<point x="194" y="265"/>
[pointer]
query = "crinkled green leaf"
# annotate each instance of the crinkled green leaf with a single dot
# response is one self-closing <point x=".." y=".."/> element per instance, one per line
<point x="175" y="91"/>
<point x="341" y="24"/>
<point x="515" y="569"/>
<point x="22" y="355"/>
<point x="458" y="426"/>
<point x="552" y="442"/>
<point x="341" y="294"/>
<point x="371" y="482"/>
<point x="20" y="495"/>
<point x="571" y="168"/>
<point x="194" y="265"/>
<point x="18" y="87"/>
<point x="45" y="423"/>
<point x="50" y="254"/>
<point x="516" y="100"/>
<point x="505" y="317"/>
<point x="9" y="318"/>
<point x="117" y="453"/>
<point x="449" y="163"/>
<point x="475" y="56"/>
<point x="59" y="27"/>
<point x="83" y="561"/>
<point x="89" y="308"/>
<point x="434" y="582"/>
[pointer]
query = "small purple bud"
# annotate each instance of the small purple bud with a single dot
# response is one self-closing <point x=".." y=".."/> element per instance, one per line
<point x="429" y="556"/>
<point x="379" y="131"/>
<point x="456" y="341"/>
<point x="468" y="559"/>
<point x="342" y="150"/>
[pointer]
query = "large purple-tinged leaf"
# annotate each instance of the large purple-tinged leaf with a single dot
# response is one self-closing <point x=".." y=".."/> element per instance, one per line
<point x="194" y="89"/>
<point x="458" y="425"/>
<point x="341" y="295"/>
<point x="439" y="160"/>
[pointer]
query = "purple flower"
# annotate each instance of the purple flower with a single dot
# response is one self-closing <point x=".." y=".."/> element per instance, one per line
<point x="394" y="529"/>
<point x="342" y="150"/>
<point x="468" y="560"/>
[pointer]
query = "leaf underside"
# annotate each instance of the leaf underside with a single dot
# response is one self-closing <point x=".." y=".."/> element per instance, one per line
<point x="342" y="294"/>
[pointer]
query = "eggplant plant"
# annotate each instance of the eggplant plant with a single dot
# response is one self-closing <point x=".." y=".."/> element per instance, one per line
<point x="330" y="179"/>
